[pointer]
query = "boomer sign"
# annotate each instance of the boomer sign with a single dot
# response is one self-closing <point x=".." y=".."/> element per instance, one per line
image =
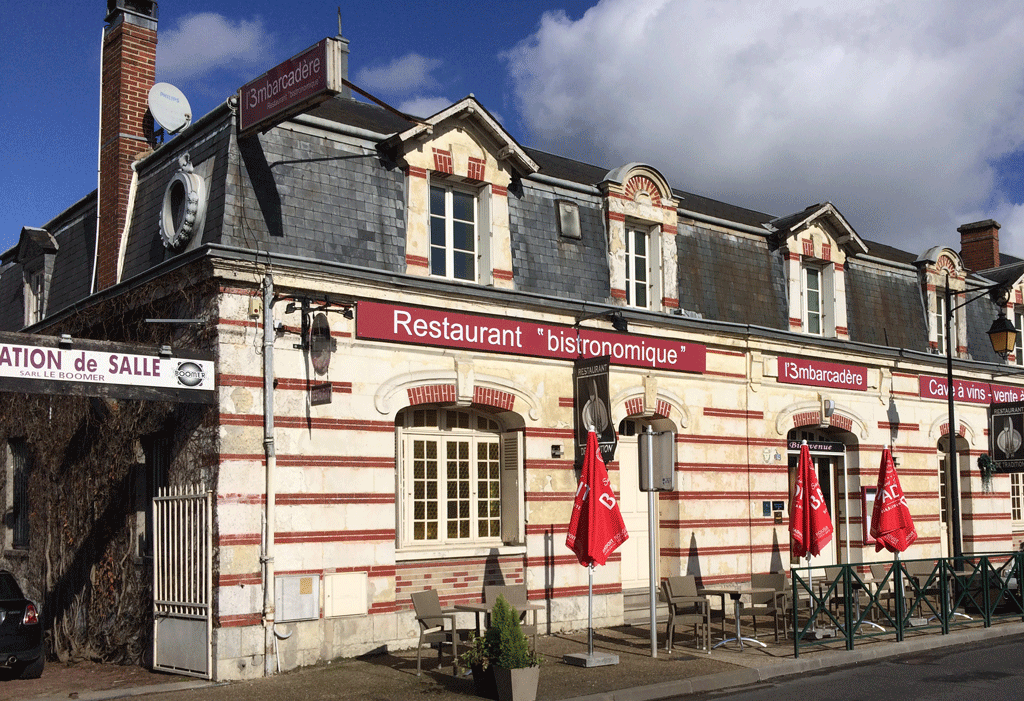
<point x="42" y="365"/>
<point x="439" y="327"/>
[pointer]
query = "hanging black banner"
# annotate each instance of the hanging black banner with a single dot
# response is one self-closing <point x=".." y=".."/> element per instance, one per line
<point x="591" y="406"/>
<point x="1006" y="436"/>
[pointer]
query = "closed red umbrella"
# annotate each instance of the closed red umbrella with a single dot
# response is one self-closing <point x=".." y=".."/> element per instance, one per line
<point x="891" y="524"/>
<point x="596" y="528"/>
<point x="810" y="525"/>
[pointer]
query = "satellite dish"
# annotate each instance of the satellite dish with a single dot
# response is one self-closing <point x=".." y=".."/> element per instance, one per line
<point x="170" y="107"/>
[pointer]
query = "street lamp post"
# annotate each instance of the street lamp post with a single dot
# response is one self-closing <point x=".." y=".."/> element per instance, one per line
<point x="1003" y="336"/>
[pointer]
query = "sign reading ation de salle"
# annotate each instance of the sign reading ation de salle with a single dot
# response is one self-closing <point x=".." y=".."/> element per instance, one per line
<point x="437" y="327"/>
<point x="303" y="80"/>
<point x="37" y="364"/>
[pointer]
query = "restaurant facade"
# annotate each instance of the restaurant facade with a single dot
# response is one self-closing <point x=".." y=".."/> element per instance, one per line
<point x="394" y="307"/>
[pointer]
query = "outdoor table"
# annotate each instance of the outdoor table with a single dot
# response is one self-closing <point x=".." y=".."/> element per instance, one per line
<point x="735" y="591"/>
<point x="482" y="609"/>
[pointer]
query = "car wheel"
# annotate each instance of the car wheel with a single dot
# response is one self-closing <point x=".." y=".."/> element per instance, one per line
<point x="34" y="669"/>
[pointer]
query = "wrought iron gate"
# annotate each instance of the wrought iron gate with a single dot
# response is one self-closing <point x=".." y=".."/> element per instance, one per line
<point x="183" y="583"/>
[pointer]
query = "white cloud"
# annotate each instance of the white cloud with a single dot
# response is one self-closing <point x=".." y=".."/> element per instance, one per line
<point x="404" y="75"/>
<point x="893" y="111"/>
<point x="424" y="106"/>
<point x="205" y="42"/>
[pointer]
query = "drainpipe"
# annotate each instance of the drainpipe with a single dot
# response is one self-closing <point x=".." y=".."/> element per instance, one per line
<point x="271" y="460"/>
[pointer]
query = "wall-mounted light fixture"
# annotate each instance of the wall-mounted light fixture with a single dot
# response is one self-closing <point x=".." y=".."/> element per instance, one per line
<point x="619" y="322"/>
<point x="165" y="351"/>
<point x="826" y="409"/>
<point x="65" y="340"/>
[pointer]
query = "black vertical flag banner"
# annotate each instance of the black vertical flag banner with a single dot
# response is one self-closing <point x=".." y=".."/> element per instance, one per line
<point x="592" y="407"/>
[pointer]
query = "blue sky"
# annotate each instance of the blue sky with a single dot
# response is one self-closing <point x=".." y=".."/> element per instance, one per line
<point x="909" y="117"/>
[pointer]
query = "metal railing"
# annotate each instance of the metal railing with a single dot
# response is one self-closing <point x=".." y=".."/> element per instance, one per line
<point x="927" y="595"/>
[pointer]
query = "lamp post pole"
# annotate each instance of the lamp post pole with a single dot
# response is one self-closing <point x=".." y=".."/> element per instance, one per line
<point x="1003" y="336"/>
<point x="953" y="464"/>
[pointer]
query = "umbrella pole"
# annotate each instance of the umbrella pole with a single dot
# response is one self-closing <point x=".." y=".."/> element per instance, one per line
<point x="590" y="612"/>
<point x="810" y="593"/>
<point x="578" y="659"/>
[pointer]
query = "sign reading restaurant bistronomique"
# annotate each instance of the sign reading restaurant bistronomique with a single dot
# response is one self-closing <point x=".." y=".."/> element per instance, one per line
<point x="446" y="329"/>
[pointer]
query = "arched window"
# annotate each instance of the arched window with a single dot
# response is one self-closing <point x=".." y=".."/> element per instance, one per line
<point x="459" y="479"/>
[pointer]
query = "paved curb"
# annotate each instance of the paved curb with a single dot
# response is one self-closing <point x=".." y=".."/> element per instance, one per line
<point x="133" y="691"/>
<point x="789" y="667"/>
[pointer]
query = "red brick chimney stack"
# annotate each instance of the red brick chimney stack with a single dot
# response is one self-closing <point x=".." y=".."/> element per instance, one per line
<point x="129" y="71"/>
<point x="979" y="244"/>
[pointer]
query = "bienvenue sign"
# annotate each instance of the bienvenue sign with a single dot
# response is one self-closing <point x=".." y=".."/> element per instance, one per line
<point x="446" y="329"/>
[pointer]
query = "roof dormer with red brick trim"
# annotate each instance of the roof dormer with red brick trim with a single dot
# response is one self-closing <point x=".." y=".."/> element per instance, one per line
<point x="816" y="243"/>
<point x="459" y="165"/>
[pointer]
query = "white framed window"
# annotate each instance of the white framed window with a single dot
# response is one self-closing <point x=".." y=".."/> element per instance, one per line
<point x="1018" y="346"/>
<point x="813" y="311"/>
<point x="459" y="479"/>
<point x="454" y="238"/>
<point x="1017" y="498"/>
<point x="939" y="321"/>
<point x="35" y="301"/>
<point x="639" y="267"/>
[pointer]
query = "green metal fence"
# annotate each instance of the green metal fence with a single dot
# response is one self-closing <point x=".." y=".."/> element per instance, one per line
<point x="903" y="595"/>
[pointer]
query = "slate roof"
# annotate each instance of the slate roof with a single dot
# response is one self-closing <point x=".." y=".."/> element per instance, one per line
<point x="313" y="197"/>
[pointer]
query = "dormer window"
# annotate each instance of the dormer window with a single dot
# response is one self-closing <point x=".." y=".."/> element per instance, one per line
<point x="816" y="245"/>
<point x="459" y="165"/>
<point x="35" y="253"/>
<point x="812" y="301"/>
<point x="1018" y="345"/>
<point x="35" y="296"/>
<point x="453" y="233"/>
<point x="939" y="321"/>
<point x="638" y="268"/>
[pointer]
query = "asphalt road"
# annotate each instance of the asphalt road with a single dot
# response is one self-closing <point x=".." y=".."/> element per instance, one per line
<point x="993" y="671"/>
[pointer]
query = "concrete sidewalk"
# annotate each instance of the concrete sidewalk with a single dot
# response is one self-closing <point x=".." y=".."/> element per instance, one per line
<point x="392" y="676"/>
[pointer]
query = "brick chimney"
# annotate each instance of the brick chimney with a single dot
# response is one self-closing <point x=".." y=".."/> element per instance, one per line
<point x="128" y="72"/>
<point x="979" y="244"/>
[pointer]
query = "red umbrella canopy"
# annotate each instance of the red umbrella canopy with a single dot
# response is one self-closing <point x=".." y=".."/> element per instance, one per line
<point x="596" y="527"/>
<point x="810" y="526"/>
<point x="891" y="524"/>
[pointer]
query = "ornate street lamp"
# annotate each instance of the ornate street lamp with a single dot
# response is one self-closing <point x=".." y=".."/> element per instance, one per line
<point x="1003" y="336"/>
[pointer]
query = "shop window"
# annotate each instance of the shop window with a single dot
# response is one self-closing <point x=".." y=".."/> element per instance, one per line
<point x="453" y="233"/>
<point x="460" y="477"/>
<point x="19" y="467"/>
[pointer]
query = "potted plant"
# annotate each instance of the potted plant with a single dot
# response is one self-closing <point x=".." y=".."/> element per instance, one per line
<point x="516" y="669"/>
<point x="478" y="659"/>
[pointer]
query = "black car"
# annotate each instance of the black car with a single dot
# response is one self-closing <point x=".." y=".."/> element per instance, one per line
<point x="21" y="631"/>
